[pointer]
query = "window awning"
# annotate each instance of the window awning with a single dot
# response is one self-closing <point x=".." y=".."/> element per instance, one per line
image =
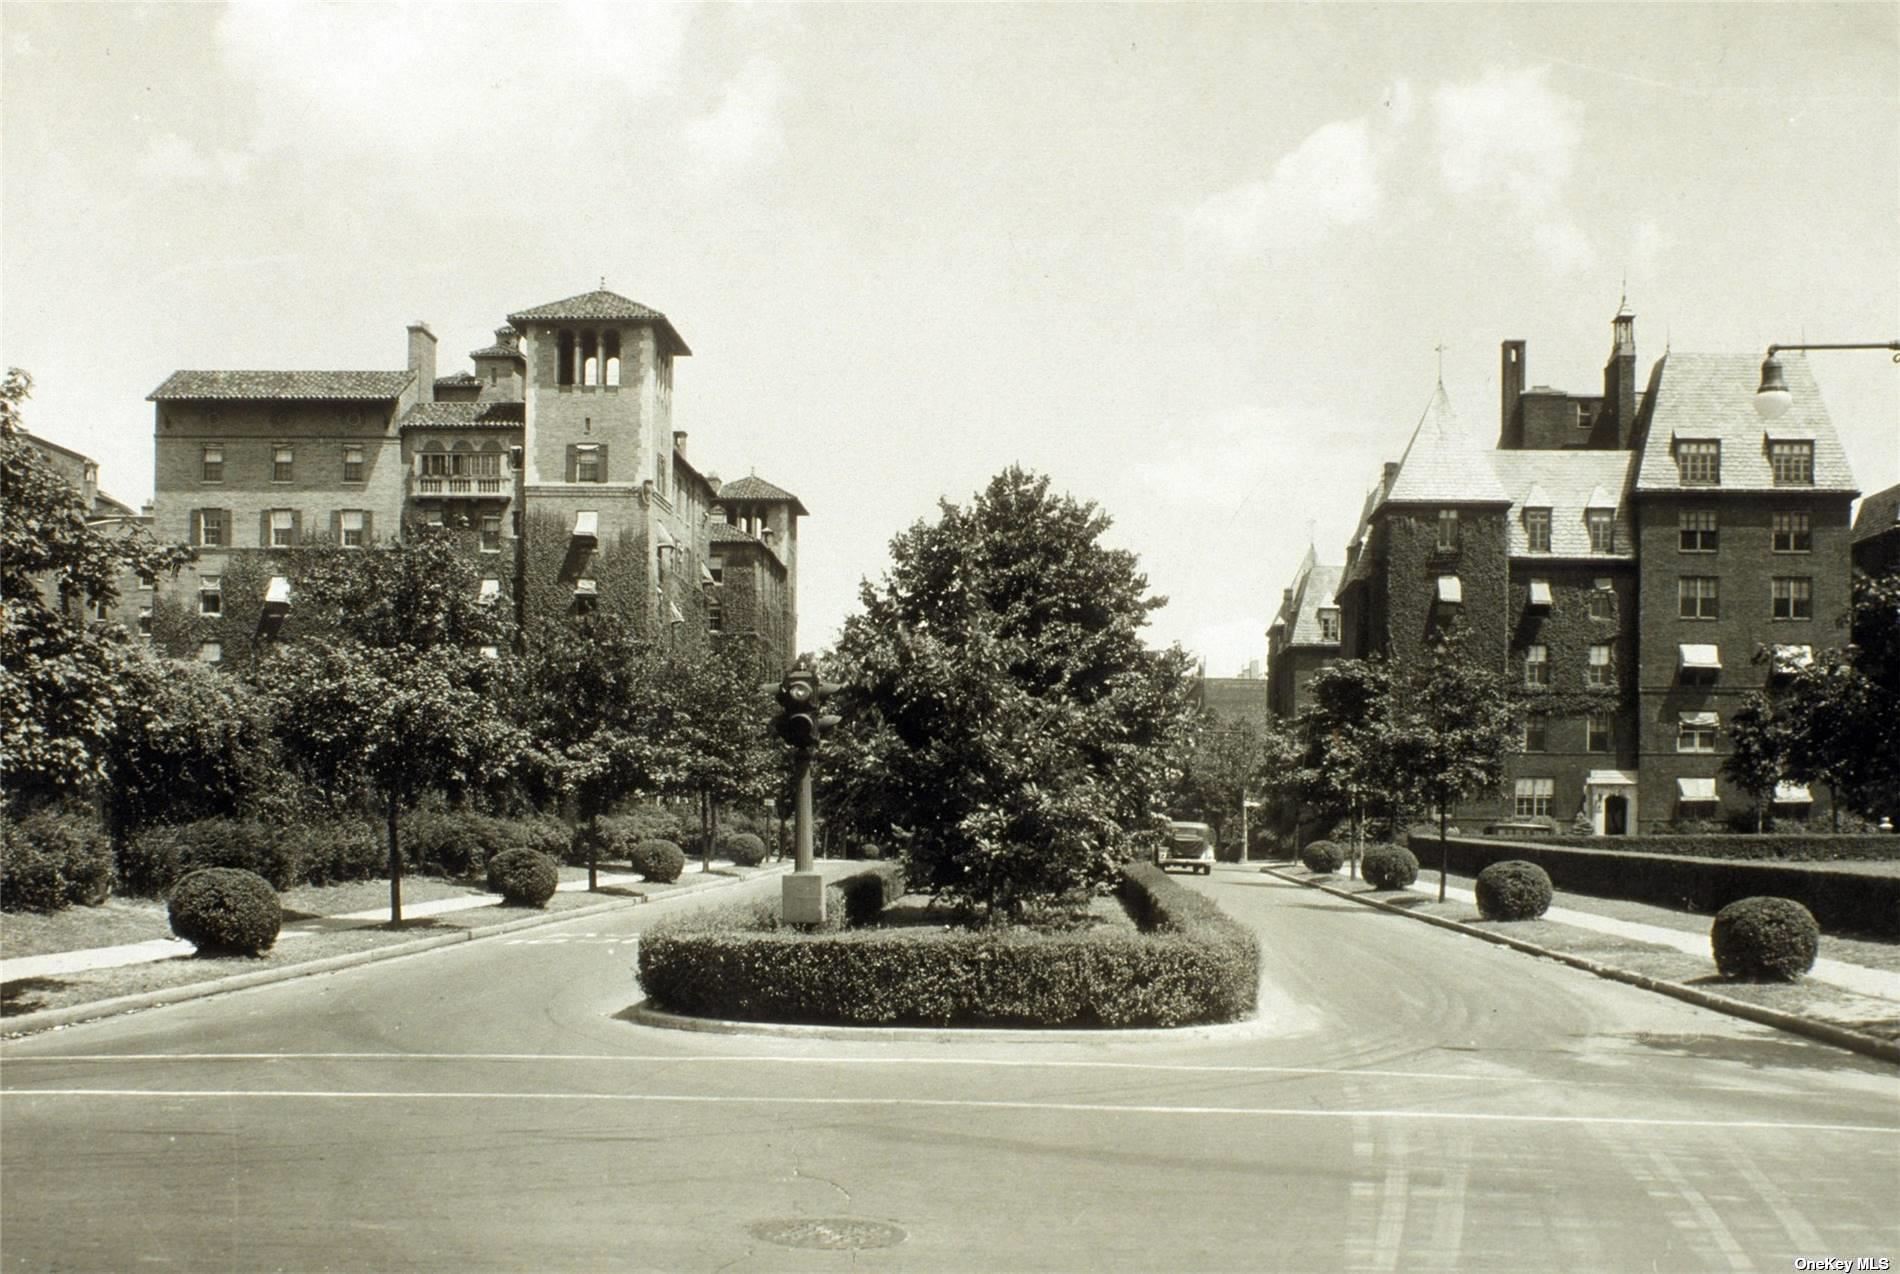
<point x="1540" y="593"/>
<point x="1610" y="778"/>
<point x="586" y="588"/>
<point x="1792" y="794"/>
<point x="1694" y="655"/>
<point x="705" y="576"/>
<point x="1451" y="590"/>
<point x="1700" y="718"/>
<point x="1695" y="790"/>
<point x="1792" y="658"/>
<point x="587" y="525"/>
<point x="665" y="537"/>
<point x="278" y="593"/>
<point x="491" y="591"/>
<point x="673" y="610"/>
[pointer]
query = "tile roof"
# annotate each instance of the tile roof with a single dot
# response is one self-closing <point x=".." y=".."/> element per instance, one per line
<point x="499" y="351"/>
<point x="1442" y="463"/>
<point x="377" y="386"/>
<point x="458" y="378"/>
<point x="493" y="415"/>
<point x="726" y="533"/>
<point x="756" y="488"/>
<point x="1567" y="483"/>
<point x="1879" y="512"/>
<point x="1712" y="396"/>
<point x="599" y="306"/>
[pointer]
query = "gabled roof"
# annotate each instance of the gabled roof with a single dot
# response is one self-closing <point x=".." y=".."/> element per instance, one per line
<point x="1712" y="397"/>
<point x="476" y="415"/>
<point x="499" y="351"/>
<point x="718" y="532"/>
<point x="458" y="378"/>
<point x="1443" y="464"/>
<point x="1879" y="514"/>
<point x="758" y="490"/>
<point x="1567" y="483"/>
<point x="317" y="386"/>
<point x="600" y="306"/>
<point x="1313" y="586"/>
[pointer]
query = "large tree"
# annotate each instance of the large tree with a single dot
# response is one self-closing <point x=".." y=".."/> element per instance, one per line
<point x="718" y="734"/>
<point x="1346" y="763"/>
<point x="60" y="690"/>
<point x="1225" y="766"/>
<point x="1758" y="751"/>
<point x="1028" y="733"/>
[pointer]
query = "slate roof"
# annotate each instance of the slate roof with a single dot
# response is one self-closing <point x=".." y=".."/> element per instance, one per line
<point x="1879" y="513"/>
<point x="599" y="306"/>
<point x="1361" y="568"/>
<point x="496" y="415"/>
<point x="1443" y="464"/>
<point x="321" y="386"/>
<point x="1567" y="483"/>
<point x="1313" y="588"/>
<point x="1712" y="396"/>
<point x="758" y="489"/>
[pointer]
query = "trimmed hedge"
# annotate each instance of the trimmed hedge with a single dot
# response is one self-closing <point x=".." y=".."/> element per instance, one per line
<point x="49" y="861"/>
<point x="225" y="911"/>
<point x="660" y="861"/>
<point x="1765" y="938"/>
<point x="1191" y="964"/>
<point x="1842" y="900"/>
<point x="1323" y="857"/>
<point x="1389" y="867"/>
<point x="523" y="877"/>
<point x="158" y="857"/>
<point x="1790" y="847"/>
<point x="1513" y="891"/>
<point x="744" y="849"/>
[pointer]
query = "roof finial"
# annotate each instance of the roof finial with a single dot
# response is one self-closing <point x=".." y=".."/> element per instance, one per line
<point x="603" y="283"/>
<point x="1441" y="347"/>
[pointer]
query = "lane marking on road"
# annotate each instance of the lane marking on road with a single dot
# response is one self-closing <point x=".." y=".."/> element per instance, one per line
<point x="943" y="1103"/>
<point x="650" y="1059"/>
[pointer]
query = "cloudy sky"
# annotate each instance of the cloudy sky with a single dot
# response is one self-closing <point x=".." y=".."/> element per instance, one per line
<point x="1195" y="262"/>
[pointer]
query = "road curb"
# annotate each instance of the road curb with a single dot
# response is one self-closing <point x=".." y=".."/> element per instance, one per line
<point x="1825" y="1032"/>
<point x="643" y="1014"/>
<point x="73" y="1014"/>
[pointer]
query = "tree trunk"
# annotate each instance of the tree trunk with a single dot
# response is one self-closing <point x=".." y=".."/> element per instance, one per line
<point x="395" y="861"/>
<point x="705" y="831"/>
<point x="1444" y="849"/>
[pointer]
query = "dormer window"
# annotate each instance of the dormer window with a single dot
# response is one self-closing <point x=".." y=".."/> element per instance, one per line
<point x="1448" y="530"/>
<point x="1329" y="624"/>
<point x="1699" y="462"/>
<point x="1602" y="526"/>
<point x="1792" y="462"/>
<point x="1537" y="530"/>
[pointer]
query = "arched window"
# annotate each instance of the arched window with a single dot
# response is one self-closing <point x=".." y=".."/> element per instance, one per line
<point x="590" y="359"/>
<point x="564" y="359"/>
<point x="610" y="356"/>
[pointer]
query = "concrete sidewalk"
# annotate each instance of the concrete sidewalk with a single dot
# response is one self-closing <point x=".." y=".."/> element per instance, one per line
<point x="55" y="963"/>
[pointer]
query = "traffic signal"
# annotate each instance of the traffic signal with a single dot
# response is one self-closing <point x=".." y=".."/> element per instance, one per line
<point x="801" y="698"/>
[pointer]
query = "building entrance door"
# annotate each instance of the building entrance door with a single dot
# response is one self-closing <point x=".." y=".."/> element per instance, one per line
<point x="1616" y="816"/>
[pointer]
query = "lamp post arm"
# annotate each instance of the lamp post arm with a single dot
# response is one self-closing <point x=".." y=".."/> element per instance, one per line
<point x="1892" y="345"/>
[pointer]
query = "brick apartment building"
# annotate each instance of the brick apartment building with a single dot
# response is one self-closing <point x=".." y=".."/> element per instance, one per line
<point x="1304" y="635"/>
<point x="1637" y="561"/>
<point x="555" y="455"/>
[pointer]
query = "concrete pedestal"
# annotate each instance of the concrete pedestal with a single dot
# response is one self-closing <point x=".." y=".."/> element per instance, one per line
<point x="804" y="898"/>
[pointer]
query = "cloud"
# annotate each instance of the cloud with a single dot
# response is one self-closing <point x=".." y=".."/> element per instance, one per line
<point x="1648" y="251"/>
<point x="1329" y="180"/>
<point x="169" y="157"/>
<point x="743" y="130"/>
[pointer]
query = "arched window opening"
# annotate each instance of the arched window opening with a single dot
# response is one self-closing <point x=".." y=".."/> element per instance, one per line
<point x="590" y="359"/>
<point x="564" y="359"/>
<point x="610" y="355"/>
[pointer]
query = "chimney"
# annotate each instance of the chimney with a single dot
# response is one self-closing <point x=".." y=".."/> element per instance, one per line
<point x="679" y="441"/>
<point x="507" y="338"/>
<point x="1510" y="386"/>
<point x="422" y="360"/>
<point x="712" y="480"/>
<point x="1619" y="374"/>
<point x="1391" y="476"/>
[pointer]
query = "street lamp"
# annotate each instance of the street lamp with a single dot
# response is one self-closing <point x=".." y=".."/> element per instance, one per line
<point x="1773" y="399"/>
<point x="1245" y="844"/>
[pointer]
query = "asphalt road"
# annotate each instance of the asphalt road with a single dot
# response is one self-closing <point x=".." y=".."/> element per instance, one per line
<point x="1409" y="1100"/>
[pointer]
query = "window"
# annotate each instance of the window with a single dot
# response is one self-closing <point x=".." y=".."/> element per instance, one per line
<point x="1533" y="798"/>
<point x="1447" y="530"/>
<point x="212" y="465"/>
<point x="1792" y="462"/>
<point x="435" y="464"/>
<point x="283" y="528"/>
<point x="1537" y="666"/>
<point x="210" y="652"/>
<point x="1329" y="624"/>
<point x="1697" y="534"/>
<point x="211" y="595"/>
<point x="350" y="528"/>
<point x="1696" y="732"/>
<point x="587" y="464"/>
<point x="147" y="581"/>
<point x="282" y="463"/>
<point x="491" y="533"/>
<point x="717" y="570"/>
<point x="433" y="517"/>
<point x="352" y="464"/>
<point x="1698" y="597"/>
<point x="715" y="617"/>
<point x="1537" y="529"/>
<point x="1793" y="598"/>
<point x="1596" y="732"/>
<point x="1599" y="671"/>
<point x="211" y="528"/>
<point x="1602" y="526"/>
<point x="1699" y="464"/>
<point x="1603" y="600"/>
<point x="1793" y="533"/>
<point x="1535" y="737"/>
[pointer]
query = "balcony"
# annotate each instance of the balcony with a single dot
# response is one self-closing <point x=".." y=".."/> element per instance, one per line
<point x="499" y="488"/>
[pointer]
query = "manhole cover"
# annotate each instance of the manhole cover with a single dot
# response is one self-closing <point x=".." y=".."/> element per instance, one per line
<point x="827" y="1233"/>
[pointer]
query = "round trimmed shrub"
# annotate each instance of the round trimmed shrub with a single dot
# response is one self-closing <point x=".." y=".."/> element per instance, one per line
<point x="1389" y="867"/>
<point x="745" y="849"/>
<point x="1323" y="857"/>
<point x="1513" y="891"/>
<point x="225" y="911"/>
<point x="660" y="861"/>
<point x="523" y="877"/>
<point x="1773" y="939"/>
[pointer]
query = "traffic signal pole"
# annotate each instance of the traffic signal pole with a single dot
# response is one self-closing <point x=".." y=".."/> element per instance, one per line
<point x="801" y="723"/>
<point x="801" y="828"/>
